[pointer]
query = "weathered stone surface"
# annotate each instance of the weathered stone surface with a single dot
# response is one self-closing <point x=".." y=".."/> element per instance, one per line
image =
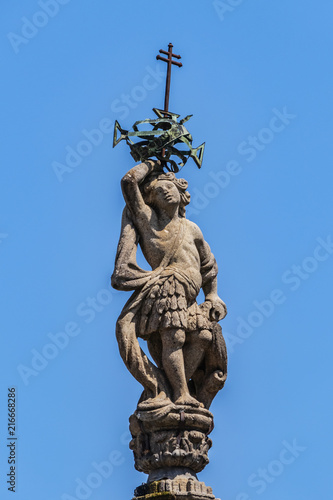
<point x="180" y="488"/>
<point x="177" y="439"/>
<point x="183" y="338"/>
<point x="172" y="421"/>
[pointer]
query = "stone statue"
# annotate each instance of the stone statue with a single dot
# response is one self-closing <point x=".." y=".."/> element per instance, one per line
<point x="172" y="421"/>
<point x="183" y="338"/>
<point x="171" y="424"/>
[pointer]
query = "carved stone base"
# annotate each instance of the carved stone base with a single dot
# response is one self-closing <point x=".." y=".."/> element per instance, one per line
<point x="171" y="436"/>
<point x="171" y="443"/>
<point x="180" y="487"/>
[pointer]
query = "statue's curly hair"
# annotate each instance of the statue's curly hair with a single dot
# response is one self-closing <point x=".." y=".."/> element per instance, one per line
<point x="181" y="184"/>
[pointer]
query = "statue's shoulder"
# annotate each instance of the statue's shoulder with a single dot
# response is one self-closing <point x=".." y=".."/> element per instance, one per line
<point x="193" y="228"/>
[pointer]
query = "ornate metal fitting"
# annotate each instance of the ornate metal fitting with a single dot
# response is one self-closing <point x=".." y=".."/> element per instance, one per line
<point x="161" y="140"/>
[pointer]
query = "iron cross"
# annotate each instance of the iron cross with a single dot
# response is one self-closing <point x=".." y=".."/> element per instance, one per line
<point x="168" y="77"/>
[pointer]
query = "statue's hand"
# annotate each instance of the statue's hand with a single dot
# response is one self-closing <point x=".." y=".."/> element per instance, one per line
<point x="218" y="309"/>
<point x="155" y="165"/>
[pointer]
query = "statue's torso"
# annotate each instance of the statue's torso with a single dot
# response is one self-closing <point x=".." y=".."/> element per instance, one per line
<point x="155" y="243"/>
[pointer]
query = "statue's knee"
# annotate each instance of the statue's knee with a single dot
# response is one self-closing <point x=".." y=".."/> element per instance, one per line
<point x="174" y="339"/>
<point x="205" y="337"/>
<point x="179" y="338"/>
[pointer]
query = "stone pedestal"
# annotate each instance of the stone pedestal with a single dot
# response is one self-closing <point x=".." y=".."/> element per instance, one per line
<point x="171" y="444"/>
<point x="180" y="488"/>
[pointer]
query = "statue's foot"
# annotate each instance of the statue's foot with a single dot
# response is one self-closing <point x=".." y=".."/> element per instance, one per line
<point x="160" y="400"/>
<point x="161" y="396"/>
<point x="188" y="400"/>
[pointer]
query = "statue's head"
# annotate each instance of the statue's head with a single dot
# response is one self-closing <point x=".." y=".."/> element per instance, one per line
<point x="160" y="189"/>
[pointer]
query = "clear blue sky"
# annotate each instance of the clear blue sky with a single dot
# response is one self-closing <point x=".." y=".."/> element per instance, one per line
<point x="257" y="77"/>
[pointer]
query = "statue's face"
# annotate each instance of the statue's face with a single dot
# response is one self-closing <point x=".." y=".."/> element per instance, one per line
<point x="165" y="193"/>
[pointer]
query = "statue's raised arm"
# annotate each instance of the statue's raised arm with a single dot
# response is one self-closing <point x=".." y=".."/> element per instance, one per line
<point x="130" y="185"/>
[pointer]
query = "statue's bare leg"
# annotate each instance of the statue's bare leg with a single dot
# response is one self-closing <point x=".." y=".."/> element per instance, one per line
<point x="173" y="340"/>
<point x="197" y="344"/>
